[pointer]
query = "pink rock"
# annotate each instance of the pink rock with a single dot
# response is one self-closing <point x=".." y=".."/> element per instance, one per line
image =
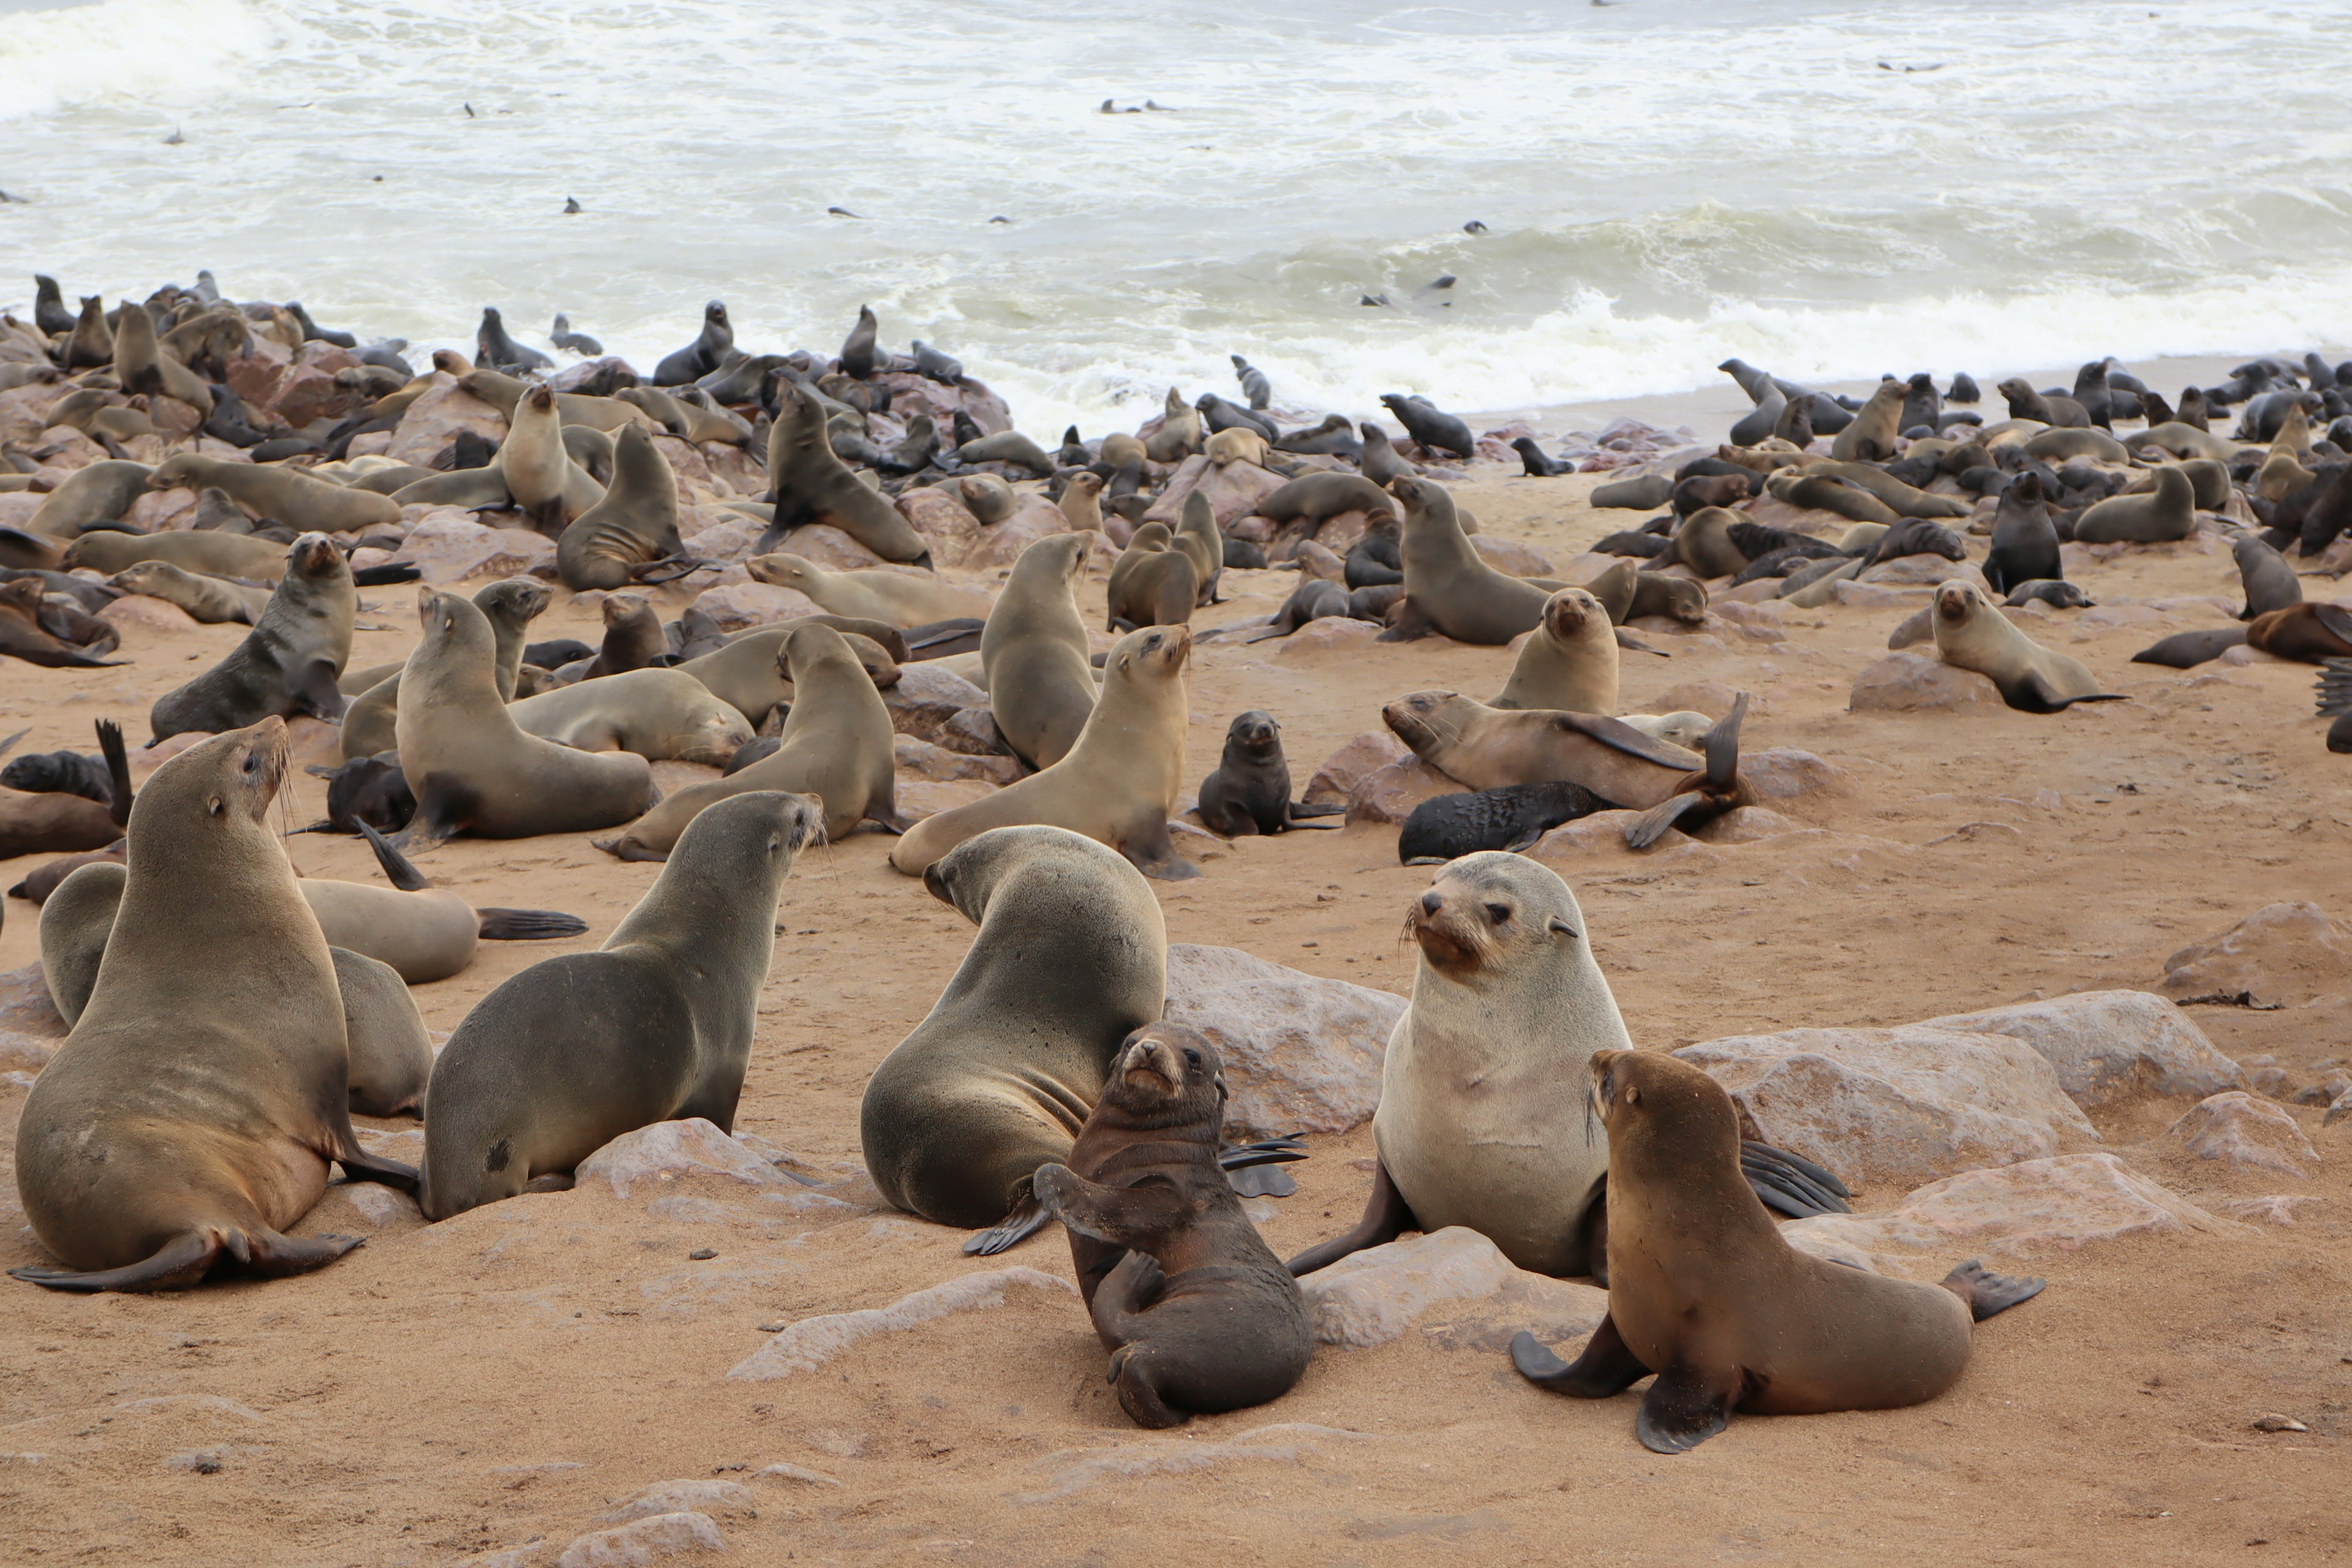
<point x="733" y="469"/>
<point x="1784" y="772"/>
<point x="2110" y="1048"/>
<point x="1332" y="633"/>
<point x="1232" y="491"/>
<point x="686" y="461"/>
<point x="1388" y="793"/>
<point x="644" y="1542"/>
<point x="830" y="548"/>
<point x="731" y="1500"/>
<point x="738" y="605"/>
<point x="941" y="765"/>
<point x="1300" y="1053"/>
<point x="927" y="697"/>
<point x="721" y="536"/>
<point x="813" y="1342"/>
<point x="147" y="615"/>
<point x="1925" y="572"/>
<point x="2034" y="1207"/>
<point x="572" y="378"/>
<point x="919" y="798"/>
<point x="1907" y="682"/>
<point x="320" y="354"/>
<point x="936" y="514"/>
<point x="2280" y="955"/>
<point x="25" y="1005"/>
<point x="448" y="546"/>
<point x="173" y="419"/>
<point x="911" y="394"/>
<point x="433" y="421"/>
<point x="1034" y="517"/>
<point x="1370" y="1298"/>
<point x="2236" y="1127"/>
<point x="305" y="394"/>
<point x="667" y="1153"/>
<point x="1603" y="832"/>
<point x="1512" y="556"/>
<point x="1347" y="767"/>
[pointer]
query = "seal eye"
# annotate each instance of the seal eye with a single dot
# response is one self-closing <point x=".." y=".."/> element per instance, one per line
<point x="1191" y="1058"/>
<point x="1500" y="914"/>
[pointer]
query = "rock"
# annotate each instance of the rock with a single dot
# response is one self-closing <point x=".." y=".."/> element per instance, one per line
<point x="2280" y="955"/>
<point x="1602" y="832"/>
<point x="647" y="1540"/>
<point x="306" y="394"/>
<point x="927" y="697"/>
<point x="793" y="1473"/>
<point x="830" y="548"/>
<point x="936" y="514"/>
<point x="2244" y="1130"/>
<point x="1301" y="1054"/>
<point x="1332" y="633"/>
<point x="25" y="1007"/>
<point x="737" y="606"/>
<point x="919" y="798"/>
<point x="911" y="394"/>
<point x="1034" y="517"/>
<point x="448" y="546"/>
<point x="1512" y="556"/>
<point x="2035" y="1206"/>
<point x="588" y="372"/>
<point x="669" y="1152"/>
<point x="1904" y="1106"/>
<point x="2111" y="1046"/>
<point x="1344" y="768"/>
<point x="972" y="730"/>
<point x="1925" y="572"/>
<point x="730" y="1499"/>
<point x="811" y="1342"/>
<point x="941" y="765"/>
<point x="1855" y="596"/>
<point x="1904" y="682"/>
<point x="1232" y="491"/>
<point x="1784" y="772"/>
<point x="1371" y="1297"/>
<point x="2274" y="1422"/>
<point x="433" y="421"/>
<point x="722" y="536"/>
<point x="694" y="478"/>
<point x="1388" y="793"/>
<point x="177" y="421"/>
<point x="137" y="610"/>
<point x="1746" y="825"/>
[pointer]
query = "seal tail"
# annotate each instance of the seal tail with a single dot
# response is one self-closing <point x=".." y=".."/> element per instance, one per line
<point x="397" y="868"/>
<point x="528" y="925"/>
<point x="117" y="770"/>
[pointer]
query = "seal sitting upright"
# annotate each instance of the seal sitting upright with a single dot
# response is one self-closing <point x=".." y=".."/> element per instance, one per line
<point x="1703" y="1290"/>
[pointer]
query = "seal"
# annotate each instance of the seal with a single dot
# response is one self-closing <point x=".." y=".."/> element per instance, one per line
<point x="2024" y="539"/>
<point x="99" y="492"/>
<point x="137" y="1179"/>
<point x="1229" y="446"/>
<point x="1179" y="436"/>
<point x="1034" y="653"/>
<point x="141" y="365"/>
<point x="631" y="535"/>
<point x="2335" y="700"/>
<point x="1249" y="790"/>
<point x="859" y="352"/>
<point x="1433" y="429"/>
<point x="1081" y="500"/>
<point x="425" y="933"/>
<point x="655" y="1025"/>
<point x="75" y="919"/>
<point x="634" y="640"/>
<point x="1481" y="1118"/>
<point x="1448" y="584"/>
<point x="836" y="748"/>
<point x="702" y="356"/>
<point x="2168" y="512"/>
<point x="810" y="485"/>
<point x="1870" y="439"/>
<point x="1315" y="599"/>
<point x="510" y="605"/>
<point x="211" y="553"/>
<point x="1448" y="827"/>
<point x="1569" y="661"/>
<point x="987" y="498"/>
<point x="1705" y="1291"/>
<point x="1255" y="386"/>
<point x="1972" y="634"/>
<point x="1119" y="784"/>
<point x="1197" y="536"/>
<point x="1196" y="1310"/>
<point x="493" y="350"/>
<point x="1007" y="447"/>
<point x="288" y="495"/>
<point x="1314" y="497"/>
<point x="2270" y="583"/>
<point x="473" y="768"/>
<point x="1152" y="584"/>
<point x="2310" y="633"/>
<point x="391" y="1053"/>
<point x="1070" y="960"/>
<point x="210" y="600"/>
<point x="894" y="598"/>
<point x="662" y="715"/>
<point x="746" y="674"/>
<point x="2024" y="403"/>
<point x="288" y="664"/>
<point x="23" y="635"/>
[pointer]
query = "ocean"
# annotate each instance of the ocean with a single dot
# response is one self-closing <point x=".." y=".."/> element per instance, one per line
<point x="1832" y="190"/>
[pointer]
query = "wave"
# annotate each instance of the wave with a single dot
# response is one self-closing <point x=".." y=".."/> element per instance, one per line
<point x="163" y="53"/>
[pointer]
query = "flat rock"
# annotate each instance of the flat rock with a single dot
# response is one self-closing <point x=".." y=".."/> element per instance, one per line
<point x="1746" y="825"/>
<point x="721" y="536"/>
<point x="1331" y="633"/>
<point x="644" y="1541"/>
<point x="2112" y="1047"/>
<point x="671" y="1151"/>
<point x="1784" y="772"/>
<point x="1603" y="832"/>
<point x="446" y="545"/>
<point x="25" y="1005"/>
<point x="1901" y="1106"/>
<point x="2242" y="1130"/>
<point x="729" y="1500"/>
<point x="2033" y="1207"/>
<point x="137" y="610"/>
<point x="1388" y="794"/>
<point x="972" y="731"/>
<point x="934" y="512"/>
<point x="737" y="606"/>
<point x="919" y="798"/>
<point x="999" y="544"/>
<point x="927" y="697"/>
<point x="1511" y="555"/>
<point x="1070" y="1471"/>
<point x="1301" y="1054"/>
<point x="1904" y="682"/>
<point x="2280" y="955"/>
<point x="1346" y="767"/>
<point x="811" y="1342"/>
<point x="941" y="765"/>
<point x="1925" y="572"/>
<point x="433" y="421"/>
<point x="1371" y="1297"/>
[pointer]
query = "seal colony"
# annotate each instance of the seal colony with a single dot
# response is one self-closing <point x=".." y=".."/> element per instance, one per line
<point x="807" y="612"/>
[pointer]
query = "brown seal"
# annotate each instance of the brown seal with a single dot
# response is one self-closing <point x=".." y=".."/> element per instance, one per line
<point x="1248" y="792"/>
<point x="1448" y="582"/>
<point x="895" y="598"/>
<point x="1197" y="535"/>
<point x="211" y="553"/>
<point x="287" y="665"/>
<point x="63" y="821"/>
<point x="1870" y="436"/>
<point x="1034" y="653"/>
<point x="1120" y="781"/>
<point x="286" y="496"/>
<point x="22" y="635"/>
<point x="1198" y="1315"/>
<point x="812" y="485"/>
<point x="1568" y="662"/>
<point x="631" y="535"/>
<point x="748" y="674"/>
<point x="2309" y="632"/>
<point x="142" y="1180"/>
<point x="1705" y="1291"/>
<point x="1152" y="582"/>
<point x="141" y="365"/>
<point x="511" y="604"/>
<point x="634" y="638"/>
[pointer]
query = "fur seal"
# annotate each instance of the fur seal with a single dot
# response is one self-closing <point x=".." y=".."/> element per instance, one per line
<point x="1035" y="652"/>
<point x="99" y="492"/>
<point x="986" y="496"/>
<point x="493" y="350"/>
<point x="702" y="356"/>
<point x="1870" y="439"/>
<point x="1433" y="429"/>
<point x="1314" y="497"/>
<point x="510" y="605"/>
<point x="859" y="352"/>
<point x="1119" y="784"/>
<point x="660" y="714"/>
<point x="1249" y="790"/>
<point x="1568" y="662"/>
<point x="836" y="748"/>
<point x="2169" y="512"/>
<point x="894" y="598"/>
<point x="655" y="1025"/>
<point x="2310" y="633"/>
<point x="473" y="768"/>
<point x="1255" y="386"/>
<point x="288" y="664"/>
<point x="1007" y="447"/>
<point x="1227" y="447"/>
<point x="1070" y="959"/>
<point x="210" y="600"/>
<point x="1197" y="1313"/>
<point x="142" y="1179"/>
<point x="1179" y="436"/>
<point x="24" y="635"/>
<point x="1971" y="634"/>
<point x="141" y="365"/>
<point x="2024" y="403"/>
<point x="2270" y="583"/>
<point x="69" y="822"/>
<point x="287" y="495"/>
<point x="634" y="640"/>
<point x="632" y="532"/>
<point x="2024" y="539"/>
<point x="1705" y="1291"/>
<point x="748" y="673"/>
<point x="1081" y="500"/>
<point x="2062" y="444"/>
<point x="1481" y="1118"/>
<point x="810" y="485"/>
<point x="1152" y="584"/>
<point x="1197" y="536"/>
<point x="1448" y="582"/>
<point x="425" y="933"/>
<point x="1704" y="542"/>
<point x="212" y="553"/>
<point x="1448" y="827"/>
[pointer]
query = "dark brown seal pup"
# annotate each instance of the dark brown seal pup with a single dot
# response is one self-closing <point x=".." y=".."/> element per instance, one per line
<point x="2025" y="538"/>
<point x="288" y="664"/>
<point x="68" y="821"/>
<point x="1197" y="1313"/>
<point x="1448" y="827"/>
<point x="1249" y="790"/>
<point x="1704" y="1291"/>
<point x="194" y="1112"/>
<point x="22" y="635"/>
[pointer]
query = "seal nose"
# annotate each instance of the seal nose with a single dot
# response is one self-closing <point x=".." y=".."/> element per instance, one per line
<point x="1430" y="902"/>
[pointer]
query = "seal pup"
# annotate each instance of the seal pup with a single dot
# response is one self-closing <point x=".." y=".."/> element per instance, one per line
<point x="702" y="356"/>
<point x="2168" y="512"/>
<point x="1448" y="827"/>
<point x="1568" y="662"/>
<point x="2270" y="583"/>
<point x="287" y="495"/>
<point x="140" y="1178"/>
<point x="1034" y="653"/>
<point x="810" y="485"/>
<point x="836" y="748"/>
<point x="630" y="534"/>
<point x="1119" y="784"/>
<point x="860" y="356"/>
<point x="655" y="1025"/>
<point x="1196" y="1310"/>
<point x="1249" y="790"/>
<point x="288" y="664"/>
<point x="1315" y="599"/>
<point x="1705" y="1291"/>
<point x="660" y="714"/>
<point x="1070" y="960"/>
<point x="1971" y="634"/>
<point x="1481" y="1118"/>
<point x="473" y="768"/>
<point x="1255" y="386"/>
<point x="894" y="598"/>
<point x="2024" y="539"/>
<point x="1448" y="584"/>
<point x="1870" y="439"/>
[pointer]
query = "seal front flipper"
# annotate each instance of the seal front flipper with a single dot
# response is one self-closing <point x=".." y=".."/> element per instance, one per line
<point x="396" y="867"/>
<point x="118" y="769"/>
<point x="1790" y="1184"/>
<point x="1027" y="1218"/>
<point x="1154" y="855"/>
<point x="526" y="925"/>
<point x="1605" y="1369"/>
<point x="359" y="1165"/>
<point x="1686" y="1407"/>
<point x="1650" y="826"/>
<point x="1386" y="1216"/>
<point x="1987" y="1293"/>
<point x="317" y="694"/>
<point x="1124" y="1216"/>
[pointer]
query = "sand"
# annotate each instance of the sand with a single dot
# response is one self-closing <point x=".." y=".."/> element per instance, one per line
<point x="505" y="1380"/>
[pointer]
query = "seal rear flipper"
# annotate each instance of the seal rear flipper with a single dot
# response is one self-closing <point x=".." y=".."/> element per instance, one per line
<point x="1987" y="1293"/>
<point x="1617" y="735"/>
<point x="1626" y="639"/>
<point x="2186" y="650"/>
<point x="183" y="1261"/>
<point x="526" y="925"/>
<point x="1386" y="1216"/>
<point x="1686" y="1407"/>
<point x="117" y="770"/>
<point x="1027" y="1218"/>
<point x="1605" y="1369"/>
<point x="1299" y="808"/>
<point x="386" y="574"/>
<point x="397" y="870"/>
<point x="2335" y="687"/>
<point x="1264" y="1152"/>
<point x="359" y="1165"/>
<point x="1650" y="826"/>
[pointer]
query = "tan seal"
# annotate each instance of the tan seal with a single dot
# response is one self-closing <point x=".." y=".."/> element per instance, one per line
<point x="630" y="534"/>
<point x="1152" y="582"/>
<point x="662" y="715"/>
<point x="285" y="496"/>
<point x="895" y="598"/>
<point x="1972" y="634"/>
<point x="289" y="664"/>
<point x="1447" y="580"/>
<point x="1568" y="662"/>
<point x="811" y="485"/>
<point x="511" y="604"/>
<point x="1034" y="654"/>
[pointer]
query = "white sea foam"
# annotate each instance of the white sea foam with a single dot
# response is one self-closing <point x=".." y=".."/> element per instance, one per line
<point x="1666" y="182"/>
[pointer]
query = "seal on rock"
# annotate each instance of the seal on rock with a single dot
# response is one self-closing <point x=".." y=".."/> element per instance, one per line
<point x="702" y="356"/>
<point x="286" y="496"/>
<point x="1972" y="634"/>
<point x="811" y="485"/>
<point x="1035" y="652"/>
